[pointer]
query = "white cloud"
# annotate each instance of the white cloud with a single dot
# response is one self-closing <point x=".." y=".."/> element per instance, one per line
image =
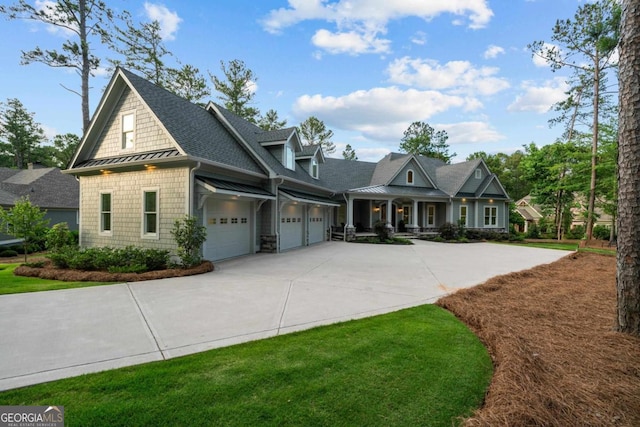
<point x="379" y="113"/>
<point x="493" y="51"/>
<point x="470" y="132"/>
<point x="540" y="99"/>
<point x="169" y="21"/>
<point x="369" y="18"/>
<point x="455" y="76"/>
<point x="350" y="42"/>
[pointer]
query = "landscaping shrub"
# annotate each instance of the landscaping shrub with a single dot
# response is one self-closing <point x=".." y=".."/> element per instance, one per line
<point x="576" y="232"/>
<point x="58" y="236"/>
<point x="533" y="232"/>
<point x="129" y="259"/>
<point x="189" y="236"/>
<point x="381" y="229"/>
<point x="8" y="253"/>
<point x="448" y="231"/>
<point x="601" y="232"/>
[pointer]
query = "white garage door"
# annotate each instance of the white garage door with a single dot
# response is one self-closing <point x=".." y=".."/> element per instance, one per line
<point x="316" y="225"/>
<point x="291" y="227"/>
<point x="228" y="229"/>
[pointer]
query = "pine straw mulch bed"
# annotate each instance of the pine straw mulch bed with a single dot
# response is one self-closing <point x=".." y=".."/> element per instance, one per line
<point x="557" y="360"/>
<point x="49" y="271"/>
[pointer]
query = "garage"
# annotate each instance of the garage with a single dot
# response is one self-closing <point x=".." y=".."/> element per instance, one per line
<point x="228" y="224"/>
<point x="291" y="226"/>
<point x="316" y="225"/>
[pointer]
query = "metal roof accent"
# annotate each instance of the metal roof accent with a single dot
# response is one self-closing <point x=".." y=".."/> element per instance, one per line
<point x="297" y="196"/>
<point x="394" y="190"/>
<point x="130" y="158"/>
<point x="234" y="188"/>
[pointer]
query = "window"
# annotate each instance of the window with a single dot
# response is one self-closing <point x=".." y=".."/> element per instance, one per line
<point x="463" y="214"/>
<point x="410" y="177"/>
<point x="431" y="216"/>
<point x="150" y="213"/>
<point x="105" y="213"/>
<point x="314" y="168"/>
<point x="289" y="158"/>
<point x="490" y="216"/>
<point x="478" y="173"/>
<point x="128" y="130"/>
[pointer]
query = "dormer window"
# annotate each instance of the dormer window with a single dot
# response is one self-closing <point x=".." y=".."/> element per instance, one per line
<point x="478" y="173"/>
<point x="128" y="130"/>
<point x="289" y="158"/>
<point x="314" y="168"/>
<point x="410" y="177"/>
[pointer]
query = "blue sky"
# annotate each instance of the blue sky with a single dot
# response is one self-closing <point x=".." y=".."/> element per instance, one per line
<point x="367" y="68"/>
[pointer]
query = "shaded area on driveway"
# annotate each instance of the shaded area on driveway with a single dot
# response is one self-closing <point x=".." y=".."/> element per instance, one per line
<point x="56" y="334"/>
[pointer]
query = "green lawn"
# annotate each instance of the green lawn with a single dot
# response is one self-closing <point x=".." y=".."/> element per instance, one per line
<point x="10" y="284"/>
<point x="419" y="366"/>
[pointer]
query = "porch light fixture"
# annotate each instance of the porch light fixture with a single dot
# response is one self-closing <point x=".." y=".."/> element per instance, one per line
<point x="464" y="200"/>
<point x="376" y="209"/>
<point x="400" y="210"/>
<point x="490" y="200"/>
<point x="105" y="171"/>
<point x="150" y="167"/>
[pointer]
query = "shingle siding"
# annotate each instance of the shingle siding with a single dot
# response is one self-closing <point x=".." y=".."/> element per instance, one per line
<point x="148" y="135"/>
<point x="126" y="200"/>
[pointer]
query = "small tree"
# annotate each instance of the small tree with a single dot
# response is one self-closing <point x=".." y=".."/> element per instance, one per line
<point x="189" y="236"/>
<point x="24" y="221"/>
<point x="59" y="236"/>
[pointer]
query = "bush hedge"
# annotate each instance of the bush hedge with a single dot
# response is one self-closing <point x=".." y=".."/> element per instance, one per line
<point x="129" y="259"/>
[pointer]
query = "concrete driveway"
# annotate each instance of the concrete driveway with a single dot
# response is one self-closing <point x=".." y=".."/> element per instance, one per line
<point x="46" y="336"/>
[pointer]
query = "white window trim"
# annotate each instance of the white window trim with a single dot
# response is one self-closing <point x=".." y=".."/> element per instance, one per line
<point x="478" y="173"/>
<point x="466" y="217"/>
<point x="484" y="217"/>
<point x="122" y="115"/>
<point x="143" y="234"/>
<point x="315" y="168"/>
<point x="289" y="149"/>
<point x="413" y="177"/>
<point x="431" y="224"/>
<point x="101" y="231"/>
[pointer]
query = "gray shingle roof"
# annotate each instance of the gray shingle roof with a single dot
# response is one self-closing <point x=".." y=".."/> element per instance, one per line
<point x="47" y="188"/>
<point x="451" y="177"/>
<point x="193" y="128"/>
<point x="274" y="135"/>
<point x="341" y="174"/>
<point x="250" y="133"/>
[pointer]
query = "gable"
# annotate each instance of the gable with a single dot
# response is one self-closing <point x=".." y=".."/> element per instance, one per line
<point x="475" y="179"/>
<point x="148" y="135"/>
<point x="493" y="189"/>
<point x="420" y="179"/>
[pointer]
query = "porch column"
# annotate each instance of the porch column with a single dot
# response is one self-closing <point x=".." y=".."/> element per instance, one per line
<point x="349" y="229"/>
<point x="389" y="208"/>
<point x="414" y="212"/>
<point x="371" y="214"/>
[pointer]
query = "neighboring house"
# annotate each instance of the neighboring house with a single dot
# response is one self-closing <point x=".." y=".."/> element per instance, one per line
<point x="150" y="157"/>
<point x="531" y="212"/>
<point x="47" y="188"/>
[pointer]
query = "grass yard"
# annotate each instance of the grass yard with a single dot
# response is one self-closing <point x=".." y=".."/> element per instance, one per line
<point x="419" y="366"/>
<point x="11" y="284"/>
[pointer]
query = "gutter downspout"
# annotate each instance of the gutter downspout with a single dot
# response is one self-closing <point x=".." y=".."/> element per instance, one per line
<point x="192" y="176"/>
<point x="346" y="223"/>
<point x="276" y="227"/>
